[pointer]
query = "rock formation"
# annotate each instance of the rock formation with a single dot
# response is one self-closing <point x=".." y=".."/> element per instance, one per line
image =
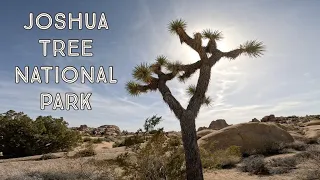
<point x="255" y="120"/>
<point x="218" y="124"/>
<point x="251" y="137"/>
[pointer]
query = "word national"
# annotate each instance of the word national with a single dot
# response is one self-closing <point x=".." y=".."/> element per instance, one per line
<point x="82" y="74"/>
<point x="61" y="21"/>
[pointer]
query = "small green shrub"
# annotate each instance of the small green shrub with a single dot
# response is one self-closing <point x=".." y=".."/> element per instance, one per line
<point x="97" y="140"/>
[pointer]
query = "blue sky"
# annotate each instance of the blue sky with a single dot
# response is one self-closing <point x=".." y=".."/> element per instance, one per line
<point x="285" y="81"/>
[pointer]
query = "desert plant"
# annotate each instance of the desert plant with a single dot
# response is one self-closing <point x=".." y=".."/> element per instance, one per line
<point x="97" y="140"/>
<point x="87" y="139"/>
<point x="130" y="141"/>
<point x="160" y="158"/>
<point x="86" y="152"/>
<point x="48" y="156"/>
<point x="255" y="165"/>
<point x="221" y="158"/>
<point x="282" y="165"/>
<point x="22" y="136"/>
<point x="310" y="160"/>
<point x="153" y="77"/>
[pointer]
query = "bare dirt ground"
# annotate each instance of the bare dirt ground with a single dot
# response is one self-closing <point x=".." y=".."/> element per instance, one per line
<point x="18" y="167"/>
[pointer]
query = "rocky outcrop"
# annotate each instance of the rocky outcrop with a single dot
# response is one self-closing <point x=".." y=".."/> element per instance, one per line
<point x="290" y="119"/>
<point x="270" y="118"/>
<point x="218" y="124"/>
<point x="202" y="128"/>
<point x="110" y="130"/>
<point x="255" y="120"/>
<point x="251" y="137"/>
<point x="83" y="127"/>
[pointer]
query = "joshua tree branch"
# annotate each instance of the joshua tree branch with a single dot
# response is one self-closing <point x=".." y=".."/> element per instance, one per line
<point x="202" y="85"/>
<point x="196" y="45"/>
<point x="172" y="102"/>
<point x="233" y="54"/>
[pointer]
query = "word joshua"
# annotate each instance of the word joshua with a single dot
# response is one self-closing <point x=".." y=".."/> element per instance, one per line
<point x="49" y="71"/>
<point x="61" y="21"/>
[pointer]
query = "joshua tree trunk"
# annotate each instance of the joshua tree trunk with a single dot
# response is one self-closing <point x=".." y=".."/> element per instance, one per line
<point x="192" y="154"/>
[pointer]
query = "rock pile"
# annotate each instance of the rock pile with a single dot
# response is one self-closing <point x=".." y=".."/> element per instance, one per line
<point x="218" y="124"/>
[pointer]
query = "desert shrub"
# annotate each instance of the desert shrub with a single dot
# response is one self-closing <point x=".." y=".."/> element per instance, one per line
<point x="86" y="152"/>
<point x="48" y="156"/>
<point x="97" y="140"/>
<point x="160" y="158"/>
<point x="273" y="148"/>
<point x="282" y="165"/>
<point x="254" y="164"/>
<point x="130" y="141"/>
<point x="87" y="139"/>
<point x="22" y="136"/>
<point x="311" y="163"/>
<point x="297" y="145"/>
<point x="221" y="158"/>
<point x="110" y="139"/>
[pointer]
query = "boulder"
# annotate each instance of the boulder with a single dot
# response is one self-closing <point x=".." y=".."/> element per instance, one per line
<point x="218" y="124"/>
<point x="270" y="118"/>
<point x="202" y="128"/>
<point x="110" y="130"/>
<point x="255" y="120"/>
<point x="83" y="127"/>
<point x="204" y="132"/>
<point x="251" y="137"/>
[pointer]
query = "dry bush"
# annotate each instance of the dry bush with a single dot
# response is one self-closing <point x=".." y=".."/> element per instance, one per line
<point x="221" y="158"/>
<point x="297" y="145"/>
<point x="48" y="156"/>
<point x="97" y="140"/>
<point x="87" y="139"/>
<point x="282" y="165"/>
<point x="130" y="141"/>
<point x="310" y="161"/>
<point x="86" y="152"/>
<point x="160" y="158"/>
<point x="254" y="164"/>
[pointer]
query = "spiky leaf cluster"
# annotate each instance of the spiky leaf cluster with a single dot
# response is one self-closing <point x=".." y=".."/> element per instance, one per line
<point x="162" y="60"/>
<point x="191" y="90"/>
<point x="253" y="48"/>
<point x="174" y="67"/>
<point x="142" y="73"/>
<point x="175" y="25"/>
<point x="215" y="35"/>
<point x="207" y="101"/>
<point x="133" y="88"/>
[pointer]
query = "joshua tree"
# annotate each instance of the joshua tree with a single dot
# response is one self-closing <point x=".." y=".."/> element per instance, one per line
<point x="152" y="77"/>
